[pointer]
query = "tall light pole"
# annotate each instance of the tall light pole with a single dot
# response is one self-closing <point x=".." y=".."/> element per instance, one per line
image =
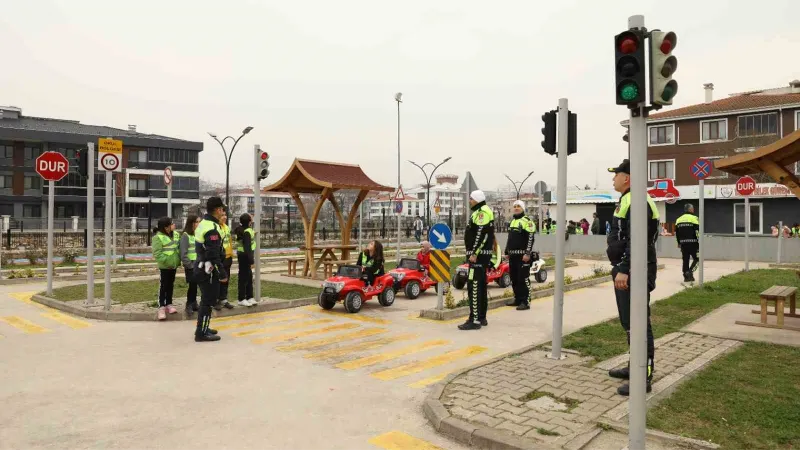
<point x="428" y="179"/>
<point x="399" y="99"/>
<point x="518" y="189"/>
<point x="228" y="157"/>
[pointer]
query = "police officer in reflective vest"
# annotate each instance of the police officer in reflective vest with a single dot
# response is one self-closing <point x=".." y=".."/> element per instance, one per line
<point x="619" y="254"/>
<point x="479" y="241"/>
<point x="519" y="249"/>
<point x="687" y="231"/>
<point x="209" y="270"/>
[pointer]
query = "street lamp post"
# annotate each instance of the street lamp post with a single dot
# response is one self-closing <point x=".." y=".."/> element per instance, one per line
<point x="399" y="99"/>
<point x="228" y="157"/>
<point x="428" y="179"/>
<point x="518" y="189"/>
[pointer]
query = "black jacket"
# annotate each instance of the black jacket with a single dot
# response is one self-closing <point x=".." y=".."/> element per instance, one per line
<point x="520" y="236"/>
<point x="479" y="235"/>
<point x="687" y="229"/>
<point x="619" y="244"/>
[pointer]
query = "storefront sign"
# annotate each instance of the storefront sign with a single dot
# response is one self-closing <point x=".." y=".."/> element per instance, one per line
<point x="763" y="190"/>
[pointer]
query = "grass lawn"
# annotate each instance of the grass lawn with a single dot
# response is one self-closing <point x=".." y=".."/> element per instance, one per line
<point x="745" y="400"/>
<point x="607" y="339"/>
<point x="139" y="291"/>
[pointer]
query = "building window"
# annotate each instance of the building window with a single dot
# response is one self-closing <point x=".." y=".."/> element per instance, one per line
<point x="32" y="152"/>
<point x="137" y="156"/>
<point x="5" y="181"/>
<point x="758" y="125"/>
<point x="797" y="120"/>
<point x="714" y="172"/>
<point x="137" y="187"/>
<point x="31" y="211"/>
<point x="661" y="170"/>
<point x="714" y="130"/>
<point x="755" y="218"/>
<point x="33" y="182"/>
<point x="662" y="135"/>
<point x="6" y="151"/>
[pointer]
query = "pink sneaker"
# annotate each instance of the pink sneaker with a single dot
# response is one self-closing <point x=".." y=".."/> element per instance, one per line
<point x="162" y="313"/>
<point x="171" y="309"/>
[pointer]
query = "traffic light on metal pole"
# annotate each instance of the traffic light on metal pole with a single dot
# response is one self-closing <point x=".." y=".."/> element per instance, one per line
<point x="263" y="165"/>
<point x="662" y="65"/>
<point x="629" y="67"/>
<point x="82" y="157"/>
<point x="549" y="132"/>
<point x="572" y="128"/>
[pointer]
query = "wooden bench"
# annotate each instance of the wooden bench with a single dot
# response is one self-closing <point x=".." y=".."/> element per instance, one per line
<point x="292" y="266"/>
<point x="329" y="263"/>
<point x="780" y="295"/>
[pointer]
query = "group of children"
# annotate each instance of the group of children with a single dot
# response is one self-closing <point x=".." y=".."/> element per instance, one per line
<point x="371" y="260"/>
<point x="172" y="250"/>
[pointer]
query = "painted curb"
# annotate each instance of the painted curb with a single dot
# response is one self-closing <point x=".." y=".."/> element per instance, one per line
<point x="116" y="316"/>
<point x="662" y="436"/>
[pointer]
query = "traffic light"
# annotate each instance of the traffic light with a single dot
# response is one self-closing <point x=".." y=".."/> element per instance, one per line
<point x="549" y="132"/>
<point x="572" y="133"/>
<point x="629" y="67"/>
<point x="82" y="160"/>
<point x="263" y="165"/>
<point x="662" y="65"/>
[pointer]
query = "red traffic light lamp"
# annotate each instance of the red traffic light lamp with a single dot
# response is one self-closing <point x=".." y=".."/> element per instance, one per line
<point x="263" y="166"/>
<point x="629" y="58"/>
<point x="663" y="65"/>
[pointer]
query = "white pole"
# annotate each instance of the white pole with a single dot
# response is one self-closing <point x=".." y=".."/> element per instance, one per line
<point x="746" y="233"/>
<point x="558" y="298"/>
<point x="439" y="296"/>
<point x="257" y="225"/>
<point x="702" y="231"/>
<point x="114" y="223"/>
<point x="90" y="224"/>
<point x="50" y="208"/>
<point x="780" y="239"/>
<point x="169" y="194"/>
<point x="637" y="283"/>
<point x="107" y="209"/>
<point x="399" y="214"/>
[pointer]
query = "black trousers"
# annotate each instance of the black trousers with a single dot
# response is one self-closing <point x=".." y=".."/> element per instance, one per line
<point x="165" y="286"/>
<point x="223" y="287"/>
<point x="191" y="293"/>
<point x="209" y="293"/>
<point x="520" y="272"/>
<point x="245" y="276"/>
<point x="624" y="310"/>
<point x="689" y="251"/>
<point x="478" y="299"/>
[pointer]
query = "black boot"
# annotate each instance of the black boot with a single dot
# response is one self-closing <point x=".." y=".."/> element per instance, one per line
<point x="206" y="338"/>
<point x="484" y="323"/>
<point x="513" y="303"/>
<point x="468" y="325"/>
<point x="623" y="373"/>
<point x="625" y="389"/>
<point x="191" y="307"/>
<point x="211" y="331"/>
<point x="523" y="307"/>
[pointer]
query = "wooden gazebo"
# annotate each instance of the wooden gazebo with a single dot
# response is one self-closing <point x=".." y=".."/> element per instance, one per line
<point x="774" y="159"/>
<point x="325" y="178"/>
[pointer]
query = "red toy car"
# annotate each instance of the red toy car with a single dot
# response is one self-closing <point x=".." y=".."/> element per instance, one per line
<point x="410" y="277"/>
<point x="351" y="289"/>
<point x="500" y="275"/>
<point x="664" y="189"/>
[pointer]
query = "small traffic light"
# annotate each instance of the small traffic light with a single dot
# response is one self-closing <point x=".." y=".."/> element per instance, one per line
<point x="662" y="65"/>
<point x="629" y="67"/>
<point x="82" y="160"/>
<point x="263" y="165"/>
<point x="572" y="133"/>
<point x="549" y="132"/>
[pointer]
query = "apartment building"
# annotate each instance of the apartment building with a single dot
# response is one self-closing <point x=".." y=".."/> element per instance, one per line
<point x="714" y="129"/>
<point x="140" y="186"/>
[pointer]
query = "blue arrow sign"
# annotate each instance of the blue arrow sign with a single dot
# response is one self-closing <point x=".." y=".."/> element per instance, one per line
<point x="701" y="168"/>
<point x="398" y="207"/>
<point x="440" y="236"/>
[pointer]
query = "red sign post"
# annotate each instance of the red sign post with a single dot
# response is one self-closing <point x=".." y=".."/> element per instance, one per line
<point x="52" y="166"/>
<point x="745" y="186"/>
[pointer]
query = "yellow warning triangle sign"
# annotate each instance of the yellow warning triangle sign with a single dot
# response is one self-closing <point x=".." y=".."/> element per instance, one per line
<point x="399" y="194"/>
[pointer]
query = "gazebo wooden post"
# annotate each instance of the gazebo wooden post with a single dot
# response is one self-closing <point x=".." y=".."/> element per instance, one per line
<point x="338" y="211"/>
<point x="308" y="252"/>
<point x="346" y="229"/>
<point x="313" y="228"/>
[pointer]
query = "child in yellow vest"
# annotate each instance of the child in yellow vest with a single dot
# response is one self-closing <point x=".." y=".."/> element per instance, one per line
<point x="227" y="245"/>
<point x="165" y="252"/>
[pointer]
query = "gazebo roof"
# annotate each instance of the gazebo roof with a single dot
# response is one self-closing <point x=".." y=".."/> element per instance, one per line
<point x="311" y="177"/>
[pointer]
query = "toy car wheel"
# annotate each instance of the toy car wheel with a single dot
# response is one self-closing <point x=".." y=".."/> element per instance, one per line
<point x="459" y="281"/>
<point x="541" y="276"/>
<point x="387" y="297"/>
<point x="505" y="280"/>
<point x="326" y="303"/>
<point x="412" y="289"/>
<point x="353" y="302"/>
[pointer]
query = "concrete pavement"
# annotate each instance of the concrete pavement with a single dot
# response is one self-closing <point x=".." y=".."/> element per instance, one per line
<point x="301" y="378"/>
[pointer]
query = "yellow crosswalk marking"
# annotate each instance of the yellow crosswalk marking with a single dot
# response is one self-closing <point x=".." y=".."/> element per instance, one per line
<point x="66" y="320"/>
<point x="430" y="380"/>
<point x="286" y="337"/>
<point x="341" y="351"/>
<point x="333" y="339"/>
<point x="280" y="327"/>
<point x="396" y="440"/>
<point x="411" y="368"/>
<point x="381" y="357"/>
<point x="415" y="316"/>
<point x="25" y="297"/>
<point x="346" y="315"/>
<point x="24" y="325"/>
<point x="229" y="326"/>
<point x="249" y="316"/>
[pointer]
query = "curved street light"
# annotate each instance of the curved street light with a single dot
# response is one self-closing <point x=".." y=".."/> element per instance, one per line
<point x="228" y="157"/>
<point x="428" y="179"/>
<point x="518" y="189"/>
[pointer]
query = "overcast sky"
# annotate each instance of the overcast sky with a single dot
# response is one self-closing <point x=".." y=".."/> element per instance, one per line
<point x="316" y="79"/>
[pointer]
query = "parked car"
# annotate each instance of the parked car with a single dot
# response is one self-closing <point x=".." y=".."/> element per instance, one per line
<point x="349" y="287"/>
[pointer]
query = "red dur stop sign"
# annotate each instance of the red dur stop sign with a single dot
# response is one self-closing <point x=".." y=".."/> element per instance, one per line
<point x="52" y="166"/>
<point x="745" y="186"/>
